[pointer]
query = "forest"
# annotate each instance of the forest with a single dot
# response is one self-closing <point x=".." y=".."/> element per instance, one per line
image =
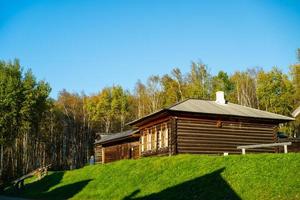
<point x="37" y="130"/>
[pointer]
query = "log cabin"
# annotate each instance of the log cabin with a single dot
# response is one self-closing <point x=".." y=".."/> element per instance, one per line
<point x="197" y="127"/>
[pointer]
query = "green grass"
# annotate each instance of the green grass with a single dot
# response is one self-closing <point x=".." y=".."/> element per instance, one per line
<point x="257" y="176"/>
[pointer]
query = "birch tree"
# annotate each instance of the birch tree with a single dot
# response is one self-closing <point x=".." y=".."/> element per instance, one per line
<point x="245" y="88"/>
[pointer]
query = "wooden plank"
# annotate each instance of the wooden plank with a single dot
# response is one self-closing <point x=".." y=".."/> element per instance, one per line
<point x="223" y="136"/>
<point x="207" y="129"/>
<point x="217" y="139"/>
<point x="241" y="129"/>
<point x="224" y="122"/>
<point x="263" y="145"/>
<point x="199" y="128"/>
<point x="217" y="142"/>
<point x="224" y="127"/>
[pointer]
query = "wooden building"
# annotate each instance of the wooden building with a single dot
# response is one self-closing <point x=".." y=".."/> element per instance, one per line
<point x="204" y="127"/>
<point x="117" y="146"/>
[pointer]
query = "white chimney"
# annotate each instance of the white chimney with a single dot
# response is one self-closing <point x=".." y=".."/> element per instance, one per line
<point x="220" y="98"/>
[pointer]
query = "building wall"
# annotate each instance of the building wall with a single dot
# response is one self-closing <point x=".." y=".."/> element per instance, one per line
<point x="216" y="136"/>
<point x="120" y="151"/>
<point x="127" y="149"/>
<point x="98" y="153"/>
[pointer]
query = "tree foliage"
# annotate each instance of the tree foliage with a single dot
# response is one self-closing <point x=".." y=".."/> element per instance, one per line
<point x="275" y="92"/>
<point x="23" y="103"/>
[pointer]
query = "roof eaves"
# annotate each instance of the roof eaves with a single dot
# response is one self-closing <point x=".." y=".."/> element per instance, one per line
<point x="286" y="119"/>
<point x="159" y="111"/>
<point x="147" y="116"/>
<point x="170" y="107"/>
<point x="108" y="140"/>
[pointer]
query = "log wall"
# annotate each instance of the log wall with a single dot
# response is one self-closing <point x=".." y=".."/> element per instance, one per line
<point x="127" y="150"/>
<point x="216" y="136"/>
<point x="98" y="153"/>
<point x="173" y="136"/>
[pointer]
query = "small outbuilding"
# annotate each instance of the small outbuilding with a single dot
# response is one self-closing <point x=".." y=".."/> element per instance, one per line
<point x="117" y="146"/>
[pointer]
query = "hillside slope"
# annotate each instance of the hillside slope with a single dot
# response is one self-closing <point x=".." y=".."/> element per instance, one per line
<point x="261" y="176"/>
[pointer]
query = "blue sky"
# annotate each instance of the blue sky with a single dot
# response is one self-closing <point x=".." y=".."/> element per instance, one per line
<point x="87" y="45"/>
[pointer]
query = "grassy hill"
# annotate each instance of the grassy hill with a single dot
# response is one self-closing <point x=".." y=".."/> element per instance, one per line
<point x="261" y="176"/>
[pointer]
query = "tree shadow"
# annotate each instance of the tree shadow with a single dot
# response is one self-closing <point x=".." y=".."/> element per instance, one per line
<point x="210" y="186"/>
<point x="46" y="183"/>
<point x="37" y="187"/>
<point x="40" y="189"/>
<point x="66" y="191"/>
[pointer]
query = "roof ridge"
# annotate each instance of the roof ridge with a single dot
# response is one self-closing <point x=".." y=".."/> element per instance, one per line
<point x="179" y="102"/>
<point x="182" y="101"/>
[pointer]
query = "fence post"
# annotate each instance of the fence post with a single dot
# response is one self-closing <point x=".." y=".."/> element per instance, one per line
<point x="285" y="149"/>
<point x="243" y="151"/>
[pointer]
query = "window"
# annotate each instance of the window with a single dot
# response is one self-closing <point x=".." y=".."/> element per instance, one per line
<point x="143" y="142"/>
<point x="149" y="140"/>
<point x="166" y="135"/>
<point x="159" y="139"/>
<point x="154" y="139"/>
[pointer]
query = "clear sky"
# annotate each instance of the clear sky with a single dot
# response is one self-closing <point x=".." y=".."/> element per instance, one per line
<point x="87" y="45"/>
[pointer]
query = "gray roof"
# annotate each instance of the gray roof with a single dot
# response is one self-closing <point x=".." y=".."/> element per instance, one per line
<point x="211" y="107"/>
<point x="296" y="112"/>
<point x="116" y="136"/>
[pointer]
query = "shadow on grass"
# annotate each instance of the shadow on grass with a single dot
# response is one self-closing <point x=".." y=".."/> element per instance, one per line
<point x="39" y="189"/>
<point x="209" y="186"/>
<point x="66" y="191"/>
